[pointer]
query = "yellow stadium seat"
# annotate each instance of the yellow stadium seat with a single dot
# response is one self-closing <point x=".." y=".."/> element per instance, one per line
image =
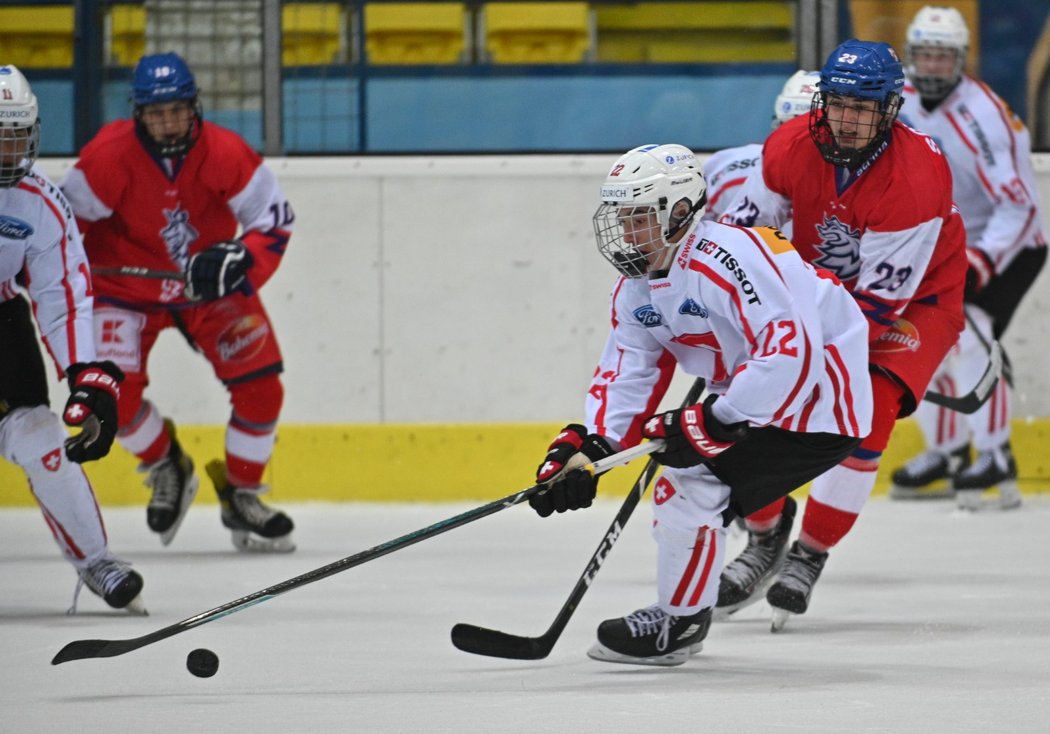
<point x="37" y="36"/>
<point x="696" y="32"/>
<point x="312" y="34"/>
<point x="537" y="33"/>
<point x="127" y="34"/>
<point x="415" y="33"/>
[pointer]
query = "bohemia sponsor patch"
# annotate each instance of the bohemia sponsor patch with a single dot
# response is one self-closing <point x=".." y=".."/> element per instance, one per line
<point x="901" y="337"/>
<point x="243" y="339"/>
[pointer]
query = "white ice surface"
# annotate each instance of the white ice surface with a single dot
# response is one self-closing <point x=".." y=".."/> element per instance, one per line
<point x="926" y="620"/>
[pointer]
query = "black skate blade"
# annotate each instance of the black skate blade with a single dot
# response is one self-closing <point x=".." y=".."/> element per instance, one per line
<point x="496" y="644"/>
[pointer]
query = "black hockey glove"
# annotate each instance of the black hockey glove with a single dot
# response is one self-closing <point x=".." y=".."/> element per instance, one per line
<point x="217" y="271"/>
<point x="693" y="434"/>
<point x="92" y="406"/>
<point x="570" y="487"/>
<point x="978" y="273"/>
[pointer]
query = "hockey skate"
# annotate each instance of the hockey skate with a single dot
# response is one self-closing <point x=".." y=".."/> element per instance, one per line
<point x="114" y="581"/>
<point x="255" y="527"/>
<point x="930" y="475"/>
<point x="174" y="486"/>
<point x="794" y="585"/>
<point x="995" y="468"/>
<point x="746" y="579"/>
<point x="651" y="636"/>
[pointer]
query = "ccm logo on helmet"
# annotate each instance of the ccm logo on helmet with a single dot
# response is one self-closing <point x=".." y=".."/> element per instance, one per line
<point x="843" y="80"/>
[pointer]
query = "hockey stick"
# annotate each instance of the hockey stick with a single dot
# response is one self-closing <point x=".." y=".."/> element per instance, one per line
<point x="483" y="641"/>
<point x="973" y="400"/>
<point x="1008" y="371"/>
<point x="82" y="649"/>
<point x="135" y="271"/>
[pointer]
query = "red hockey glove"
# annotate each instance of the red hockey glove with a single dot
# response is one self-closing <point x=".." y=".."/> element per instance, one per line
<point x="217" y="271"/>
<point x="571" y="488"/>
<point x="92" y="406"/>
<point x="693" y="435"/>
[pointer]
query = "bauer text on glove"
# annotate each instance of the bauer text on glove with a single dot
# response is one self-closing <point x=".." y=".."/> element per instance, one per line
<point x="92" y="407"/>
<point x="692" y="434"/>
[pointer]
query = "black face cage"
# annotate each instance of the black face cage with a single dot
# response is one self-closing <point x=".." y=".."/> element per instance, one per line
<point x="850" y="158"/>
<point x="19" y="147"/>
<point x="170" y="148"/>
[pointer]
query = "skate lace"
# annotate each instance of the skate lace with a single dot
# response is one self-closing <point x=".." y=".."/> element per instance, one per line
<point x="801" y="570"/>
<point x="165" y="481"/>
<point x="101" y="577"/>
<point x="925" y="462"/>
<point x="251" y="508"/>
<point x="649" y="621"/>
<point x="753" y="561"/>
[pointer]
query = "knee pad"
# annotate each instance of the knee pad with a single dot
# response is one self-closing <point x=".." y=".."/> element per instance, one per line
<point x="258" y="401"/>
<point x="33" y="438"/>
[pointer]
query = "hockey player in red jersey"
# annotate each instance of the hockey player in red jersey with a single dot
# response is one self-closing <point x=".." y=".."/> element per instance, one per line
<point x="871" y="202"/>
<point x="40" y="248"/>
<point x="782" y="346"/>
<point x="167" y="190"/>
<point x="993" y="182"/>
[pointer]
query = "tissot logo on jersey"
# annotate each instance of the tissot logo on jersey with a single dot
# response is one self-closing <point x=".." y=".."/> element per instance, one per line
<point x="725" y="257"/>
<point x="14" y="229"/>
<point x="648" y="316"/>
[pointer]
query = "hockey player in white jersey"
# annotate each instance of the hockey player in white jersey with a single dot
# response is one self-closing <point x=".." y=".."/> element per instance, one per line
<point x="40" y="247"/>
<point x="782" y="346"/>
<point x="726" y="169"/>
<point x="993" y="183"/>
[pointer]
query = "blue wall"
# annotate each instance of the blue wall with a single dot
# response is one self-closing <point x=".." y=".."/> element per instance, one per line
<point x="425" y="113"/>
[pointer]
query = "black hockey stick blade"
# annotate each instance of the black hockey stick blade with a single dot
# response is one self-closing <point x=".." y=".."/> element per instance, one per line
<point x="973" y="400"/>
<point x="84" y="649"/>
<point x="493" y="643"/>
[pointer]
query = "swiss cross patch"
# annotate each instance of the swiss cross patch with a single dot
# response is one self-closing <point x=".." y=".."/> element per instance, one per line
<point x="52" y="460"/>
<point x="663" y="491"/>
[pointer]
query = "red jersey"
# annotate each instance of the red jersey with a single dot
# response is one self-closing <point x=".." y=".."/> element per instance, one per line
<point x="888" y="230"/>
<point x="139" y="210"/>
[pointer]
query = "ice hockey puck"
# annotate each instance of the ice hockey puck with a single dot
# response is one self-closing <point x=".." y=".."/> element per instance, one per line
<point x="202" y="663"/>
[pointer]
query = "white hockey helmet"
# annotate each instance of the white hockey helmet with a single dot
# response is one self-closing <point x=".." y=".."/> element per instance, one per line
<point x="19" y="127"/>
<point x="937" y="28"/>
<point x="661" y="182"/>
<point x="796" y="98"/>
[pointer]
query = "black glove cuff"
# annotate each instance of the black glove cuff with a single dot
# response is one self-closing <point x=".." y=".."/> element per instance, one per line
<point x="724" y="432"/>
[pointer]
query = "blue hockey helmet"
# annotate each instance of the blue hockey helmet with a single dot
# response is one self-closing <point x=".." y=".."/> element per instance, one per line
<point x="161" y="78"/>
<point x="866" y="70"/>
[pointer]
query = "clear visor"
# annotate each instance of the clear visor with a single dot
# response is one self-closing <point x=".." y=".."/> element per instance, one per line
<point x="18" y="151"/>
<point x="631" y="237"/>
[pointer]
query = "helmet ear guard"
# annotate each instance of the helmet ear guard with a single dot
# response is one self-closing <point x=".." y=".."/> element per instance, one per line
<point x="644" y="181"/>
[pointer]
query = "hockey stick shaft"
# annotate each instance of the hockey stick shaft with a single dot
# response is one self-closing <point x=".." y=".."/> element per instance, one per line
<point x="82" y="649"/>
<point x="973" y="400"/>
<point x="134" y="271"/>
<point x="483" y="641"/>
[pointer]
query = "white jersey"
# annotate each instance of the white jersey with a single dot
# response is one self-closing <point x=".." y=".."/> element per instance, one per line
<point x="725" y="170"/>
<point x="989" y="152"/>
<point x="39" y="238"/>
<point x="782" y="343"/>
